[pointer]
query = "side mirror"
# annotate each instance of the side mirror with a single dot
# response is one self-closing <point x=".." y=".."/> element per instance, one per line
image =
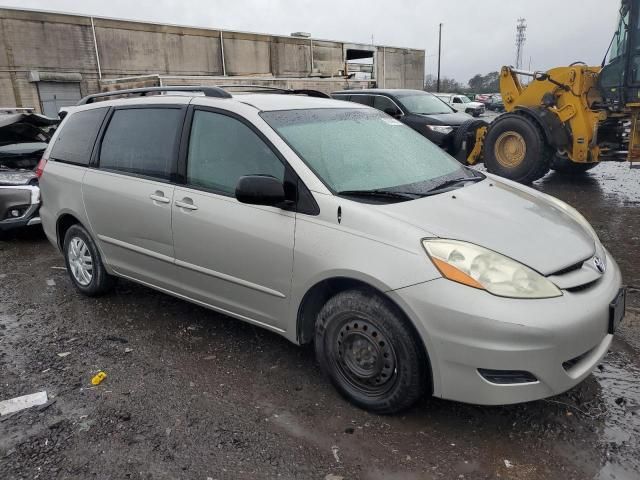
<point x="394" y="112"/>
<point x="260" y="190"/>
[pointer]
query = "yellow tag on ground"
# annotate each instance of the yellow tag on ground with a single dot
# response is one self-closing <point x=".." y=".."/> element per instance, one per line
<point x="100" y="376"/>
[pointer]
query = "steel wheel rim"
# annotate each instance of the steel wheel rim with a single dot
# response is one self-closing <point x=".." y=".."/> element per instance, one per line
<point x="510" y="149"/>
<point x="364" y="357"/>
<point x="80" y="261"/>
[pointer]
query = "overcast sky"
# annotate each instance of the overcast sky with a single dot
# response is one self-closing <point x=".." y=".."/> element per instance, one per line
<point x="478" y="35"/>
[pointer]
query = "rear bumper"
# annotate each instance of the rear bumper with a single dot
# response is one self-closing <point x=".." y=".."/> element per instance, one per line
<point x="558" y="340"/>
<point x="23" y="199"/>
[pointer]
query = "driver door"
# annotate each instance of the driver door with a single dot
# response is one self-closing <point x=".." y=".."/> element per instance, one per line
<point x="235" y="257"/>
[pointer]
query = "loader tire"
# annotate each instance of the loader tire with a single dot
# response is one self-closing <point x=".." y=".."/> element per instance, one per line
<point x="466" y="131"/>
<point x="568" y="167"/>
<point x="515" y="148"/>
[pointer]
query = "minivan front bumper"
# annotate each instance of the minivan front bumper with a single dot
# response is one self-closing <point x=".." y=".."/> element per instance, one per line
<point x="468" y="331"/>
<point x="19" y="205"/>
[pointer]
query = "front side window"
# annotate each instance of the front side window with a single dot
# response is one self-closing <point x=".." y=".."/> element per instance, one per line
<point x="383" y="104"/>
<point x="360" y="149"/>
<point x="223" y="149"/>
<point x="619" y="42"/>
<point x="457" y="100"/>
<point x="423" y="103"/>
<point x="142" y="141"/>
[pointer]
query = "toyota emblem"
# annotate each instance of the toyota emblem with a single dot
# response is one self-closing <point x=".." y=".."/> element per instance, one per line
<point x="599" y="264"/>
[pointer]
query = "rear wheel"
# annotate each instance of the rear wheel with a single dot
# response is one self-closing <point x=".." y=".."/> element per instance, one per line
<point x="515" y="148"/>
<point x="566" y="166"/>
<point x="84" y="263"/>
<point x="370" y="353"/>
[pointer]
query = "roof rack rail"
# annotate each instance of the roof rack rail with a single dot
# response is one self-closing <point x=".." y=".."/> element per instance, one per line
<point x="289" y="91"/>
<point x="208" y="92"/>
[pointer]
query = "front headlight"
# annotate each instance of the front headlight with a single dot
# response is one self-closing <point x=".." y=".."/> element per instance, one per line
<point x="440" y="128"/>
<point x="481" y="268"/>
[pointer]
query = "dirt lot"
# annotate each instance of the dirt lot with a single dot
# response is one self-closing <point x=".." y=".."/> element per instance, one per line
<point x="192" y="394"/>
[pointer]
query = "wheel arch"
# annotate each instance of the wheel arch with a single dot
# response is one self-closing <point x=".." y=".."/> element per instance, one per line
<point x="63" y="223"/>
<point x="555" y="132"/>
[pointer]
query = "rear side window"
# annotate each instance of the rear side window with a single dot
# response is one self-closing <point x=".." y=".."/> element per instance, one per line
<point x="77" y="136"/>
<point x="363" y="99"/>
<point x="142" y="141"/>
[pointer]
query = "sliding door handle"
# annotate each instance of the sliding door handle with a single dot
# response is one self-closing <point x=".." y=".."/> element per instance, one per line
<point x="159" y="197"/>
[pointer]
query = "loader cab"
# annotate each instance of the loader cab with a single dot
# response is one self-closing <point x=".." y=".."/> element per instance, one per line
<point x="619" y="80"/>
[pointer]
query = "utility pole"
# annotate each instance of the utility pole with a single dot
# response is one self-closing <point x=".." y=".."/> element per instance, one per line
<point x="439" y="55"/>
<point x="521" y="37"/>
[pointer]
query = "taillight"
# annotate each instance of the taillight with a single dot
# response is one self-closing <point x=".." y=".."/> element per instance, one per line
<point x="40" y="167"/>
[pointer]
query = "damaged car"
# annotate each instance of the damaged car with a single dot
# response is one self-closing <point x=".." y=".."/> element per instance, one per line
<point x="24" y="136"/>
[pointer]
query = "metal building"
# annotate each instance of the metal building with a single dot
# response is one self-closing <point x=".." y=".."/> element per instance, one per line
<point x="49" y="60"/>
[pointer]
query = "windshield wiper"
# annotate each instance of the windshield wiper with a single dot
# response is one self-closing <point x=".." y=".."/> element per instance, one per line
<point x="380" y="193"/>
<point x="453" y="182"/>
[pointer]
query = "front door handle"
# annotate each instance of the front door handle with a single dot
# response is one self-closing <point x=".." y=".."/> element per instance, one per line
<point x="159" y="197"/>
<point x="186" y="203"/>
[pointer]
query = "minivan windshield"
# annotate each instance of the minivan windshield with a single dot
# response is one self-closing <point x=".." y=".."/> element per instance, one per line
<point x="364" y="150"/>
<point x="423" y="103"/>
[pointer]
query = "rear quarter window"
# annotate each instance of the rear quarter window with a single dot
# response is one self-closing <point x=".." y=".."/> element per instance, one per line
<point x="77" y="135"/>
<point x="363" y="99"/>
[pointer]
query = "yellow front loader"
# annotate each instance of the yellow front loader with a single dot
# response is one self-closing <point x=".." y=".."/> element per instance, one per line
<point x="568" y="118"/>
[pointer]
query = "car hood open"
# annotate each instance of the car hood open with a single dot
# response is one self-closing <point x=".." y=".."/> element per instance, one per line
<point x="510" y="220"/>
<point x="23" y="139"/>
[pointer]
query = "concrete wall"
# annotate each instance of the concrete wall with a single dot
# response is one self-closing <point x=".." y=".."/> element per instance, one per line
<point x="55" y="47"/>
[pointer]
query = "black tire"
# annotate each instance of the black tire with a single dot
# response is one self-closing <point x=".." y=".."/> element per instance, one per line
<point x="535" y="159"/>
<point x="567" y="167"/>
<point x="466" y="131"/>
<point x="100" y="282"/>
<point x="372" y="355"/>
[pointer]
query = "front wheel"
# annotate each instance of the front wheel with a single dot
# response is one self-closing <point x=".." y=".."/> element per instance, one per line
<point x="370" y="353"/>
<point x="515" y="148"/>
<point x="465" y="139"/>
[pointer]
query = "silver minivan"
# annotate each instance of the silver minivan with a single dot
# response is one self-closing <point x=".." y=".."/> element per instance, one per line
<point x="333" y="223"/>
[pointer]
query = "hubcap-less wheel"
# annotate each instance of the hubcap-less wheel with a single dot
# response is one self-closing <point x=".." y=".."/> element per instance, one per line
<point x="80" y="261"/>
<point x="510" y="149"/>
<point x="366" y="359"/>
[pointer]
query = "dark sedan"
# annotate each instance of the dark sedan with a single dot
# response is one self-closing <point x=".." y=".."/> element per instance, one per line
<point x="422" y="111"/>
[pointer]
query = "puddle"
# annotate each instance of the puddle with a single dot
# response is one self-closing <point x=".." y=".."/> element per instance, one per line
<point x="620" y="384"/>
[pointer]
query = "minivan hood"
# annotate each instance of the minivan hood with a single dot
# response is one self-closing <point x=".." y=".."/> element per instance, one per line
<point x="512" y="220"/>
<point x="453" y="119"/>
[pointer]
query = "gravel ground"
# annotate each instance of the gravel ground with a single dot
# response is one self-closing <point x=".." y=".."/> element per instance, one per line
<point x="196" y="395"/>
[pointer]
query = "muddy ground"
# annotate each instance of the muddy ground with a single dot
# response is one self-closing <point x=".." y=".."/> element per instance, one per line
<point x="193" y="394"/>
